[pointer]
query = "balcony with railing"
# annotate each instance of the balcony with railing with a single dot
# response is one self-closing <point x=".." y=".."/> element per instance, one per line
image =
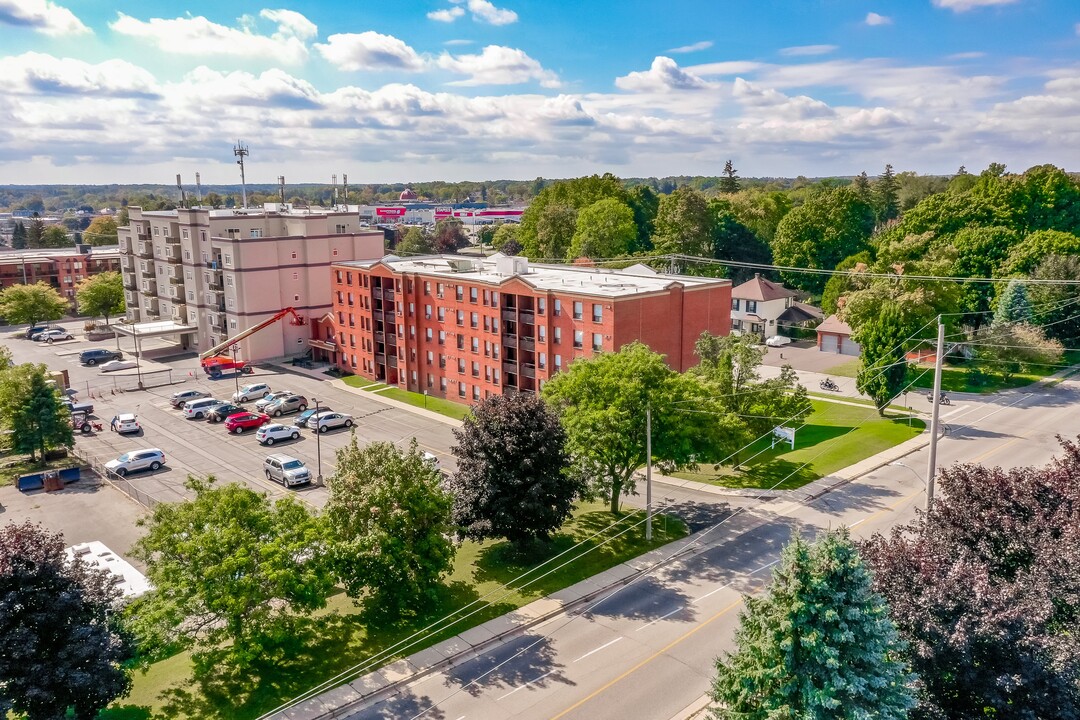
<point x="173" y="253"/>
<point x="528" y="370"/>
<point x="126" y="244"/>
<point x="127" y="263"/>
<point x="179" y="313"/>
<point x="509" y="341"/>
<point x="146" y="249"/>
<point x="527" y="317"/>
<point x="172" y="238"/>
<point x="173" y="292"/>
<point x="130" y="283"/>
<point x="147" y="271"/>
<point x="150" y="306"/>
<point x="526" y="343"/>
<point x="131" y="297"/>
<point x="509" y="315"/>
<point x="149" y="287"/>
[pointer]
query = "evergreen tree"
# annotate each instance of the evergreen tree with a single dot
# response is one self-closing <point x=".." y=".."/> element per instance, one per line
<point x="19" y="237"/>
<point x="35" y="232"/>
<point x="1013" y="305"/>
<point x="862" y="187"/>
<point x="888" y="199"/>
<point x="883" y="372"/>
<point x="30" y="408"/>
<point x="819" y="645"/>
<point x="729" y="183"/>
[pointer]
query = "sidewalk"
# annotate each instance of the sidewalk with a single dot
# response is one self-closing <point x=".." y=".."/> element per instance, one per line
<point x="339" y="384"/>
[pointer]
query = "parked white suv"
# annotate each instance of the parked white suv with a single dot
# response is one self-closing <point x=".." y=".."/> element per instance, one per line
<point x="286" y="470"/>
<point x="148" y="459"/>
<point x="198" y="408"/>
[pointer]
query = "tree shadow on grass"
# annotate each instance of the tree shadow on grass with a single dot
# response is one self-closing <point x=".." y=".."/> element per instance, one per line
<point x="525" y="660"/>
<point x="126" y="712"/>
<point x="606" y="540"/>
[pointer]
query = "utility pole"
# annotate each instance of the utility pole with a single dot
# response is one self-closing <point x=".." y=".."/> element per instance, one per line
<point x="931" y="463"/>
<point x="240" y="150"/>
<point x="648" y="473"/>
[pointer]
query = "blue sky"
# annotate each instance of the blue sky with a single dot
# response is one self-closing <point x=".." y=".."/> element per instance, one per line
<point x="398" y="91"/>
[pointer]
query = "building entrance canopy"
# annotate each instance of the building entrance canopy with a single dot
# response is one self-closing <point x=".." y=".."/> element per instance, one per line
<point x="158" y="328"/>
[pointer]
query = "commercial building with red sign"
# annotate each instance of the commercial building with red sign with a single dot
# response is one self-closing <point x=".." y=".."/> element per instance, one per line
<point x="466" y="328"/>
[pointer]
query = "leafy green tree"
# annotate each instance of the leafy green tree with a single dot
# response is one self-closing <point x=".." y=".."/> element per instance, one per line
<point x="55" y="236"/>
<point x="1013" y="305"/>
<point x="390" y="527"/>
<point x="883" y="371"/>
<point x="554" y="231"/>
<point x="31" y="303"/>
<point x="601" y="403"/>
<point x="839" y="286"/>
<point x="61" y="646"/>
<point x="101" y="231"/>
<point x="761" y="211"/>
<point x="485" y="234"/>
<point x="514" y="478"/>
<point x="449" y="236"/>
<point x="1014" y="348"/>
<point x="887" y="195"/>
<point x="683" y="224"/>
<point x="1024" y="255"/>
<point x="645" y="203"/>
<point x="416" y="242"/>
<point x="820" y="233"/>
<point x="213" y="199"/>
<point x="101" y="294"/>
<point x="819" y="645"/>
<point x="731" y="240"/>
<point x="35" y="231"/>
<point x="233" y="573"/>
<point x="1054" y="306"/>
<point x="985" y="590"/>
<point x="604" y="229"/>
<point x="30" y="409"/>
<point x="578" y="193"/>
<point x="506" y="234"/>
<point x="729" y="183"/>
<point x="19" y="236"/>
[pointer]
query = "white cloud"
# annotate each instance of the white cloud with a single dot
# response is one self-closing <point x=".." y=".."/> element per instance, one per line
<point x="966" y="55"/>
<point x="498" y="65"/>
<point x="44" y="16"/>
<point x="802" y="106"/>
<point x="693" y="47"/>
<point x="369" y="51"/>
<point x="484" y="11"/>
<point x="730" y="67"/>
<point x="965" y="5"/>
<point x="873" y="19"/>
<point x="199" y="36"/>
<point x="35" y="73"/>
<point x="804" y="50"/>
<point x="273" y="88"/>
<point x="664" y="75"/>
<point x="446" y="15"/>
<point x="458" y="42"/>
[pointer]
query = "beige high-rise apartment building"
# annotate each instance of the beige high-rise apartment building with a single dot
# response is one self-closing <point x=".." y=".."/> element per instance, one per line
<point x="223" y="271"/>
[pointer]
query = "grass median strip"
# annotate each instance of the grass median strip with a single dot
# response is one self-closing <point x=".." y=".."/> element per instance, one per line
<point x="825" y="444"/>
<point x="338" y="637"/>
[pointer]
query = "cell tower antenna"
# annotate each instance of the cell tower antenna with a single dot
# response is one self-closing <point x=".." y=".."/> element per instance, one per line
<point x="281" y="184"/>
<point x="240" y="150"/>
<point x="345" y="187"/>
<point x="183" y="197"/>
<point x="198" y="187"/>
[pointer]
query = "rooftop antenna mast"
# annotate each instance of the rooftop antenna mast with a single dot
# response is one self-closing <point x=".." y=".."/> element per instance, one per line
<point x="183" y="197"/>
<point x="198" y="187"/>
<point x="281" y="185"/>
<point x="240" y="150"/>
<point x="345" y="188"/>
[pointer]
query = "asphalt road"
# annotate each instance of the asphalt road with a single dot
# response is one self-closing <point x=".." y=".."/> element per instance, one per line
<point x="200" y="448"/>
<point x="647" y="651"/>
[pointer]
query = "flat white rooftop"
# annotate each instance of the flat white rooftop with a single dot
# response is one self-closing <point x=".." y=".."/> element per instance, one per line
<point x="95" y="554"/>
<point x="498" y="269"/>
<point x="153" y="329"/>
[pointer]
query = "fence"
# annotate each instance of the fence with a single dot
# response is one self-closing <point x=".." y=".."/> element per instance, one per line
<point x="115" y="384"/>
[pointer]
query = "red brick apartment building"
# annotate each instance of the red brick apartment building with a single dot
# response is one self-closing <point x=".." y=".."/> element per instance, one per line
<point x="60" y="268"/>
<point x="466" y="328"/>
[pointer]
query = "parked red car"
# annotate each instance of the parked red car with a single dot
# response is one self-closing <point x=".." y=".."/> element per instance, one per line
<point x="240" y="422"/>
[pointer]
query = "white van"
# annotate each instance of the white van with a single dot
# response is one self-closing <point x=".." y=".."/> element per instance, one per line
<point x="198" y="408"/>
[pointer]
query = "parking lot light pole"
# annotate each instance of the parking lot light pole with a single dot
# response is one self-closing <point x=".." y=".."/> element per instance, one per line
<point x="318" y="443"/>
<point x="236" y="372"/>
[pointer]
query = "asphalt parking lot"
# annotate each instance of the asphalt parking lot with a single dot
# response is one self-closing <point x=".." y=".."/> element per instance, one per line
<point x="200" y="448"/>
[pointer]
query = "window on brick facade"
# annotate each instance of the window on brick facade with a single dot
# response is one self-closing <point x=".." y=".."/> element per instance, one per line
<point x="597" y="312"/>
<point x="461" y="388"/>
<point x="541" y="333"/>
<point x="442" y="361"/>
<point x="430" y="357"/>
<point x="461" y="366"/>
<point x="476" y="369"/>
<point x="475" y="392"/>
<point x="442" y="314"/>
<point x="474" y="320"/>
<point x="557" y="310"/>
<point x="337" y="276"/>
<point x="579" y="338"/>
<point x="427" y="334"/>
<point x="495" y="351"/>
<point x="459" y="293"/>
<point x="442" y="337"/>
<point x="427" y="287"/>
<point x="494" y="299"/>
<point x="541" y="360"/>
<point x="541" y="304"/>
<point x="472" y="294"/>
<point x="476" y="344"/>
<point x="558" y="362"/>
<point x="438" y="290"/>
<point x="430" y="380"/>
<point x="487" y="347"/>
<point x="460" y="342"/>
<point x="427" y="312"/>
<point x="442" y="384"/>
<point x="412" y="309"/>
<point x="461" y="317"/>
<point x="597" y="342"/>
<point x="578" y="309"/>
<point x="557" y="336"/>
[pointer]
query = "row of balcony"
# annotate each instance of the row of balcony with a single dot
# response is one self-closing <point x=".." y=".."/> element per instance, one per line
<point x="526" y="316"/>
<point x="518" y="341"/>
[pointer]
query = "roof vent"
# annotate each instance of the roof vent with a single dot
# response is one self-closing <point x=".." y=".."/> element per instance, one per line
<point x="461" y="264"/>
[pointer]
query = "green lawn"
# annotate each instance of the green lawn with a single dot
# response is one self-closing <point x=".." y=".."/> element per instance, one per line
<point x="338" y="637"/>
<point x="850" y="368"/>
<point x="824" y="445"/>
<point x="445" y="407"/>
<point x="361" y="382"/>
<point x="12" y="467"/>
<point x="959" y="378"/>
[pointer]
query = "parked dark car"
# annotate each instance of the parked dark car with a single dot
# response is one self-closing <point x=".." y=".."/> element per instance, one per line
<point x="34" y="330"/>
<point x="93" y="356"/>
<point x="220" y="412"/>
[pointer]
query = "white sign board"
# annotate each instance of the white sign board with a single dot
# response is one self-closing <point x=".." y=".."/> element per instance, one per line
<point x="783" y="434"/>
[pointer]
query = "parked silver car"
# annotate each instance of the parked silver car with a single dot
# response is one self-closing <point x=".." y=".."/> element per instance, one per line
<point x="329" y="420"/>
<point x="287" y="404"/>
<point x="252" y="391"/>
<point x="260" y="405"/>
<point x="178" y="399"/>
<point x="148" y="459"/>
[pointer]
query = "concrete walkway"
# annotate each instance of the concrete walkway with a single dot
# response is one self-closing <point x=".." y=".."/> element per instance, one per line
<point x="340" y="384"/>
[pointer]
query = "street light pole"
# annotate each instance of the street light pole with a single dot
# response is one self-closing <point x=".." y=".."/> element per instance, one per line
<point x="935" y="400"/>
<point x="236" y="371"/>
<point x="648" y="473"/>
<point x="138" y="358"/>
<point x="318" y="442"/>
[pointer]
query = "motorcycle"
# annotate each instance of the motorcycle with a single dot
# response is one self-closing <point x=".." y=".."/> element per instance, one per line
<point x="828" y="384"/>
<point x="943" y="399"/>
